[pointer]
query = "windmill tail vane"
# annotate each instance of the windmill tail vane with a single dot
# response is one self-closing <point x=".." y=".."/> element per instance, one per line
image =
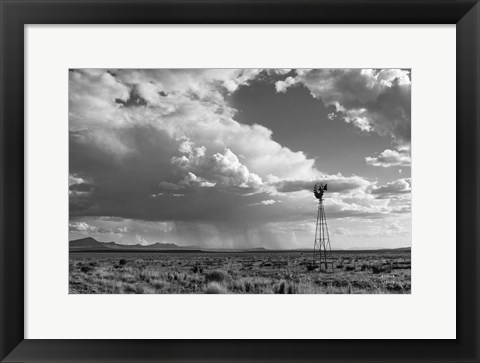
<point x="321" y="247"/>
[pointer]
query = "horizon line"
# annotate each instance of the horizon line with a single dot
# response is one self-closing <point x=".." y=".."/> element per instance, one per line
<point x="245" y="249"/>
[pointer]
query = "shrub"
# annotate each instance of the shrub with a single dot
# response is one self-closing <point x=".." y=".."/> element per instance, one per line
<point x="141" y="289"/>
<point x="280" y="289"/>
<point x="196" y="269"/>
<point x="349" y="288"/>
<point x="86" y="269"/>
<point x="122" y="262"/>
<point x="394" y="287"/>
<point x="248" y="286"/>
<point x="285" y="288"/>
<point x="292" y="289"/>
<point x="158" y="284"/>
<point x="381" y="268"/>
<point x="217" y="276"/>
<point x="215" y="288"/>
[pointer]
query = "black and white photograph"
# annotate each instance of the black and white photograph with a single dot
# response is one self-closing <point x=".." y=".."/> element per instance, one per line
<point x="239" y="181"/>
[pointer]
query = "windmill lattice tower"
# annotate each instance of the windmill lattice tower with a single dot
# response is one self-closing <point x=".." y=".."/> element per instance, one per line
<point x="321" y="247"/>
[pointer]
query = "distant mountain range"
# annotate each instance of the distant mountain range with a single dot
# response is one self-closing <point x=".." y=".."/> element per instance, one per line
<point x="91" y="244"/>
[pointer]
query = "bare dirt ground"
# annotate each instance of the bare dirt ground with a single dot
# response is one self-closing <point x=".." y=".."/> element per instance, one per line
<point x="355" y="272"/>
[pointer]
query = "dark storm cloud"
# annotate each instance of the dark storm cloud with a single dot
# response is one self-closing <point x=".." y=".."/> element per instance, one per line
<point x="125" y="187"/>
<point x="121" y="183"/>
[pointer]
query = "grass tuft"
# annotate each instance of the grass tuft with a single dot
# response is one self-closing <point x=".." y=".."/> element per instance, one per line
<point x="215" y="288"/>
<point x="217" y="276"/>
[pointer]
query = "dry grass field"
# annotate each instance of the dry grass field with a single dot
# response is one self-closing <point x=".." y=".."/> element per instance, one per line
<point x="358" y="272"/>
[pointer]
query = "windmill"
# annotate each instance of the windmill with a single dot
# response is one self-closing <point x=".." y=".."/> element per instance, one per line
<point x="321" y="246"/>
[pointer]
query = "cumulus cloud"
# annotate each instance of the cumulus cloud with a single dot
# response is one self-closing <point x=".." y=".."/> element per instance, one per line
<point x="192" y="179"/>
<point x="224" y="168"/>
<point x="139" y="240"/>
<point x="398" y="186"/>
<point x="121" y="230"/>
<point x="372" y="100"/>
<point x="92" y="95"/>
<point x="79" y="185"/>
<point x="282" y="86"/>
<point x="75" y="179"/>
<point x="230" y="171"/>
<point x="266" y="202"/>
<point x="85" y="228"/>
<point x="390" y="158"/>
<point x="203" y="83"/>
<point x="186" y="113"/>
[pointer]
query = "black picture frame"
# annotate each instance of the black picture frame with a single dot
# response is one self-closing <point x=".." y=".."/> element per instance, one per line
<point x="15" y="14"/>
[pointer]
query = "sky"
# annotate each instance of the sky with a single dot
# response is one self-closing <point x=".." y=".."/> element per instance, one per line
<point x="227" y="158"/>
